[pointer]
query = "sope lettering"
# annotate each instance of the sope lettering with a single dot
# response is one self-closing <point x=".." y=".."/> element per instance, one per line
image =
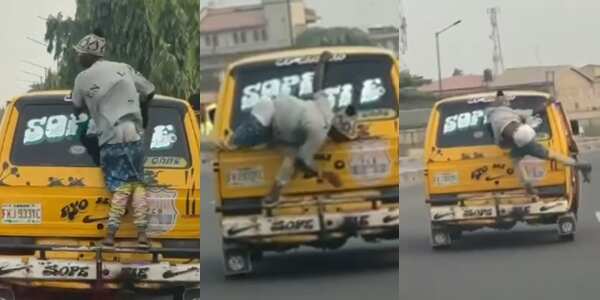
<point x="464" y="120"/>
<point x="137" y="273"/>
<point x="66" y="271"/>
<point x="51" y="128"/>
<point x="362" y="220"/>
<point x="478" y="212"/>
<point x="281" y="225"/>
<point x="372" y="90"/>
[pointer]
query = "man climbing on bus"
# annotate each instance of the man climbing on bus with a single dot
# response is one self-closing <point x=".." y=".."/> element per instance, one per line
<point x="116" y="97"/>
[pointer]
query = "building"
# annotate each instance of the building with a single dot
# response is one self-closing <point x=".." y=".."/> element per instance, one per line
<point x="386" y="37"/>
<point x="230" y="33"/>
<point x="576" y="88"/>
<point x="456" y="85"/>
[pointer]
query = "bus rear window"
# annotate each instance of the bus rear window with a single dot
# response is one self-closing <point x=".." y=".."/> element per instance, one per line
<point x="463" y="123"/>
<point x="363" y="81"/>
<point x="46" y="135"/>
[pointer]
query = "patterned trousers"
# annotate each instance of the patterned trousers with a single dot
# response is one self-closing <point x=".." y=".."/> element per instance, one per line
<point x="123" y="168"/>
<point x="118" y="206"/>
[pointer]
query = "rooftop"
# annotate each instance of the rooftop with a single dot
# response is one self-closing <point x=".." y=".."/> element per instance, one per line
<point x="216" y="19"/>
<point x="455" y="83"/>
<point x="229" y="18"/>
<point x="529" y="75"/>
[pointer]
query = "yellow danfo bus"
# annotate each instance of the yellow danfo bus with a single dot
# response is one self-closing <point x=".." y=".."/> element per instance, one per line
<point x="310" y="212"/>
<point x="471" y="183"/>
<point x="54" y="204"/>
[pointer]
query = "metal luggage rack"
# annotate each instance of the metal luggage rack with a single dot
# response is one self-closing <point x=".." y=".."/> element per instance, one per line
<point x="343" y="198"/>
<point x="99" y="250"/>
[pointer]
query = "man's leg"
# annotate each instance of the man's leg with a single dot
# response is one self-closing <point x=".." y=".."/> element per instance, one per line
<point x="140" y="213"/>
<point x="285" y="174"/>
<point x="118" y="205"/>
<point x="538" y="150"/>
<point x="520" y="170"/>
<point x="111" y="160"/>
<point x="254" y="131"/>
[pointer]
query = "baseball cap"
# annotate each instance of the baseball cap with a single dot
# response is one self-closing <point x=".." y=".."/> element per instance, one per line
<point x="94" y="44"/>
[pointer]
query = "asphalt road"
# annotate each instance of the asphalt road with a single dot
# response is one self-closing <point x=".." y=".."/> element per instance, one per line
<point x="80" y="296"/>
<point x="357" y="271"/>
<point x="525" y="263"/>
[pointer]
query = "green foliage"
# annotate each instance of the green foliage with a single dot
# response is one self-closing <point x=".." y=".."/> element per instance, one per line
<point x="457" y="72"/>
<point x="409" y="80"/>
<point x="51" y="81"/>
<point x="159" y="38"/>
<point x="335" y="36"/>
<point x="409" y="95"/>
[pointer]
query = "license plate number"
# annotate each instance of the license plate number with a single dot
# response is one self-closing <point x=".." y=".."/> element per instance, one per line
<point x="21" y="214"/>
<point x="246" y="177"/>
<point x="445" y="179"/>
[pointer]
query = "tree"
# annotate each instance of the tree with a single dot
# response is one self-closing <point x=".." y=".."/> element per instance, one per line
<point x="410" y="96"/>
<point x="334" y="36"/>
<point x="409" y="80"/>
<point x="457" y="72"/>
<point x="157" y="37"/>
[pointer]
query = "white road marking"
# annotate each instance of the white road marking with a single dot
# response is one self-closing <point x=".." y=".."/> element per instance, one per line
<point x="598" y="216"/>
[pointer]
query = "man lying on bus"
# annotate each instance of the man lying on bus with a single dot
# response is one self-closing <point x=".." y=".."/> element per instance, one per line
<point x="510" y="128"/>
<point x="299" y="128"/>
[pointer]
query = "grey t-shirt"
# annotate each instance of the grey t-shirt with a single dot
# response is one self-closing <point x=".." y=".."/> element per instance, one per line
<point x="500" y="116"/>
<point x="111" y="92"/>
<point x="302" y="126"/>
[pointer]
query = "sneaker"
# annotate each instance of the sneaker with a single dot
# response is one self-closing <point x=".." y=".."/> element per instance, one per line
<point x="143" y="241"/>
<point x="530" y="189"/>
<point x="586" y="171"/>
<point x="269" y="201"/>
<point x="109" y="240"/>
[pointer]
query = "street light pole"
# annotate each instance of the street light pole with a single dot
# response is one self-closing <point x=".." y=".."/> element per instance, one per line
<point x="437" y="46"/>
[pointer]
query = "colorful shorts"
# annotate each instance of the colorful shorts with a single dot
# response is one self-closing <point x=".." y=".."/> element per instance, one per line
<point x="122" y="163"/>
<point x="534" y="149"/>
<point x="251" y="133"/>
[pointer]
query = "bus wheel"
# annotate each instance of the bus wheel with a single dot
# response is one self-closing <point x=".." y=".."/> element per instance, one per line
<point x="440" y="237"/>
<point x="566" y="224"/>
<point x="237" y="261"/>
<point x="6" y="292"/>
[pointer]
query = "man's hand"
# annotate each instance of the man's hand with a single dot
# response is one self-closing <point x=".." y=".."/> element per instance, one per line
<point x="332" y="178"/>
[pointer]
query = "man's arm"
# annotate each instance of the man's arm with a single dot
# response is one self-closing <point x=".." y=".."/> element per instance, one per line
<point x="146" y="90"/>
<point x="77" y="97"/>
<point x="78" y="100"/>
<point x="142" y="85"/>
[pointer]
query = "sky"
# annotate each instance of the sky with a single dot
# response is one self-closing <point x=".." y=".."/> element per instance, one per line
<point x="20" y="20"/>
<point x="342" y="12"/>
<point x="532" y="32"/>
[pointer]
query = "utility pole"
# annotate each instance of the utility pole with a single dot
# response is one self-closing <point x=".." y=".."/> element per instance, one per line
<point x="290" y="23"/>
<point x="437" y="47"/>
<point x="495" y="37"/>
<point x="403" y="30"/>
